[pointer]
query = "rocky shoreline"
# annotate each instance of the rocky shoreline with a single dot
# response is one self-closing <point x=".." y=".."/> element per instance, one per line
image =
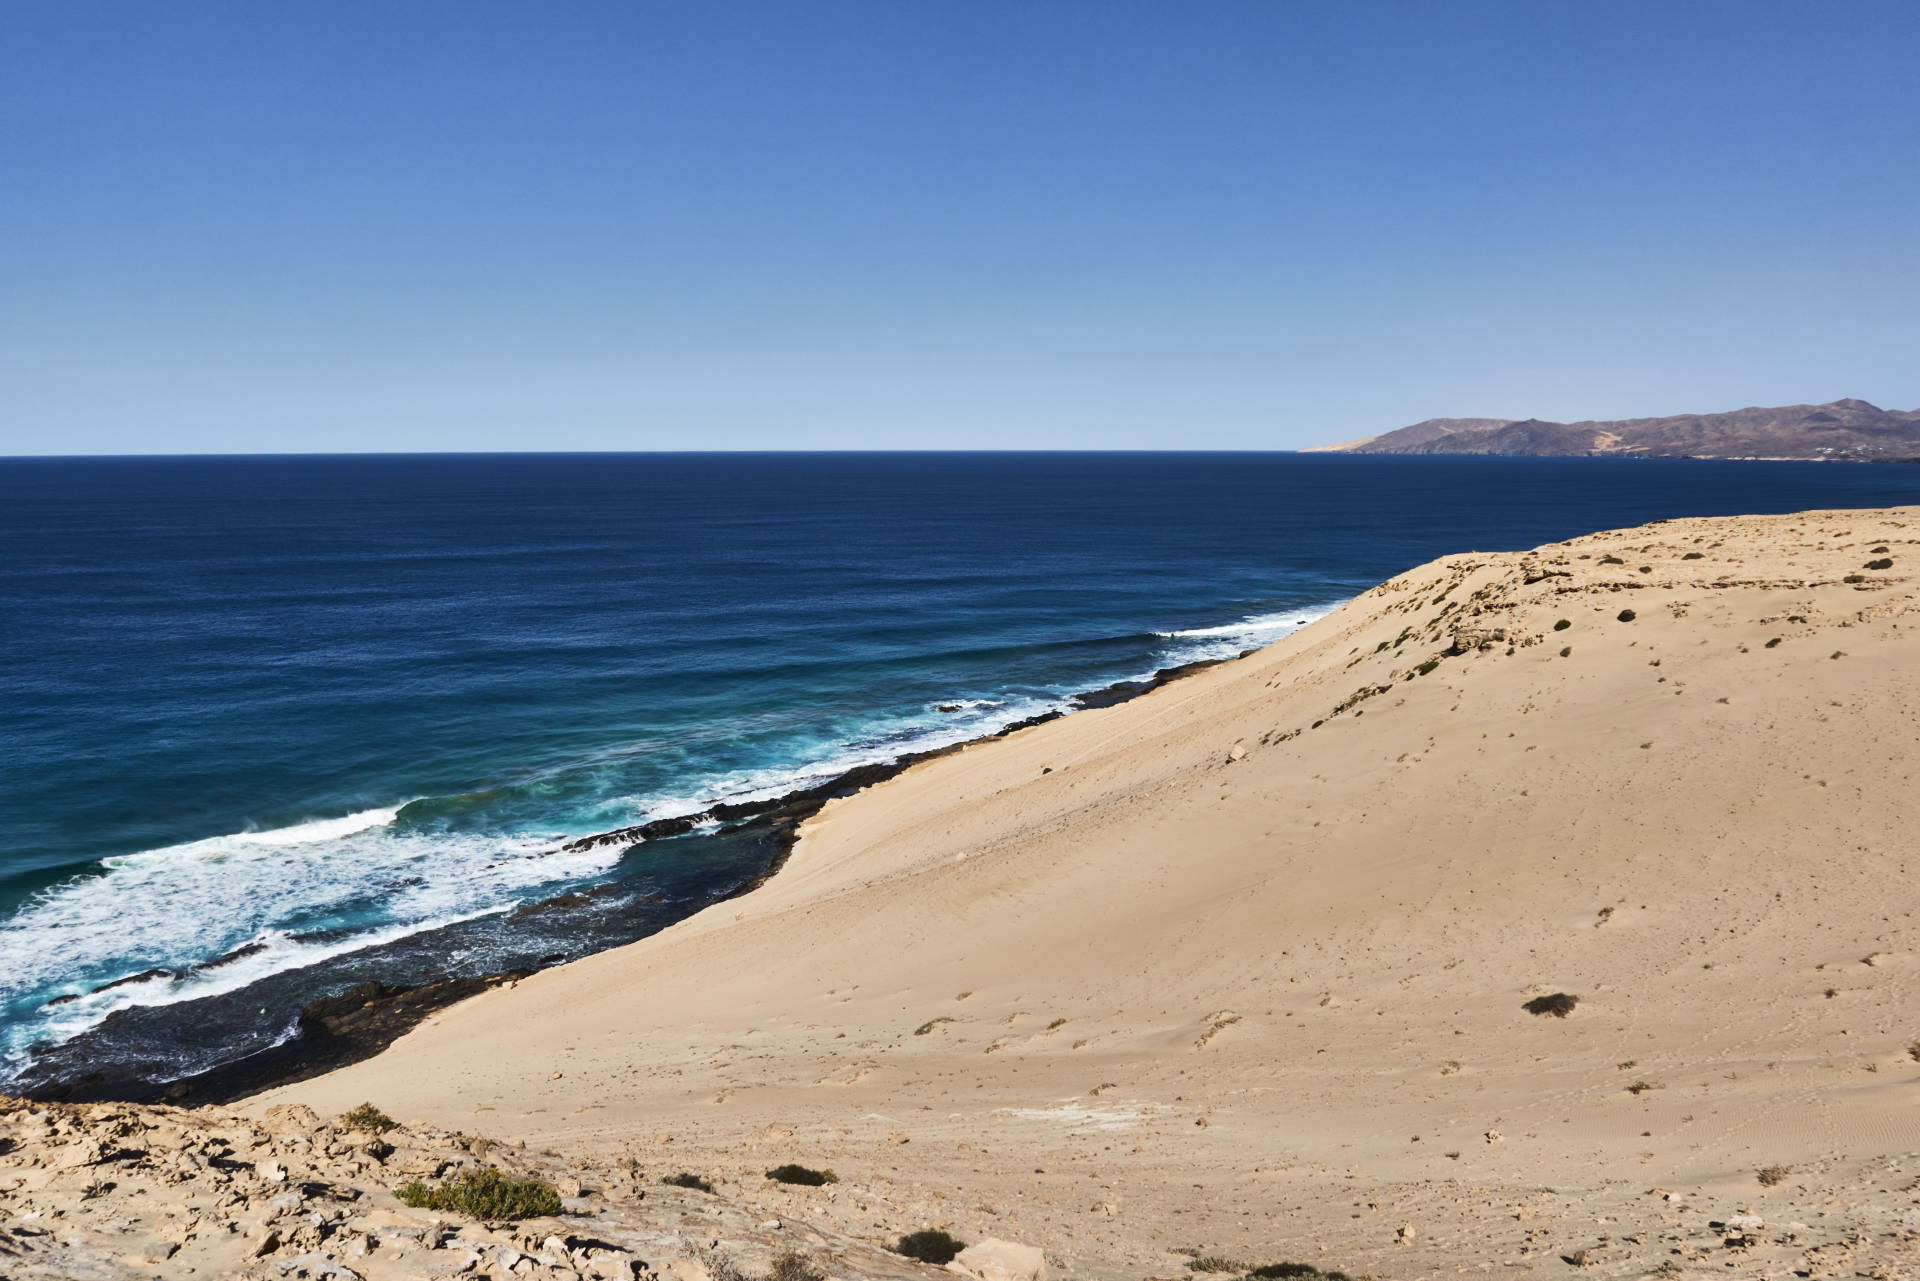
<point x="345" y="1027"/>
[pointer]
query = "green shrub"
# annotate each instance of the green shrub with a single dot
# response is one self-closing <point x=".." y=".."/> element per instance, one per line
<point x="1215" y="1263"/>
<point x="1627" y="616"/>
<point x="1560" y="1004"/>
<point x="484" y="1194"/>
<point x="1885" y="562"/>
<point x="369" y="1118"/>
<point x="1560" y="626"/>
<point x="801" y="1175"/>
<point x="931" y="1246"/>
<point x="1278" y="1271"/>
<point x="685" y="1180"/>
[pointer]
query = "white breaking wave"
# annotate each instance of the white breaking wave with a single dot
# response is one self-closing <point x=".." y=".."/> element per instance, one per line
<point x="355" y="882"/>
<point x="163" y="907"/>
<point x="275" y="952"/>
<point x="1228" y="639"/>
<point x="971" y="718"/>
<point x="321" y="829"/>
<point x="884" y="741"/>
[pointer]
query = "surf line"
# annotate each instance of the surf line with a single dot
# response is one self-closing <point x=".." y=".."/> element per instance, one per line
<point x="334" y="1031"/>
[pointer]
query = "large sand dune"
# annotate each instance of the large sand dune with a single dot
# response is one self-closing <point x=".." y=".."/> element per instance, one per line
<point x="1240" y="965"/>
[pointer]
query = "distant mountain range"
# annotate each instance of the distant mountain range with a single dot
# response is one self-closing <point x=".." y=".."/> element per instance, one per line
<point x="1843" y="430"/>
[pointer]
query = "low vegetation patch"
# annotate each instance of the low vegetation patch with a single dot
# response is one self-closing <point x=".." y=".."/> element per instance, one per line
<point x="1885" y="562"/>
<point x="685" y="1180"/>
<point x="931" y="1024"/>
<point x="1277" y="1271"/>
<point x="1215" y="1263"/>
<point x="369" y="1118"/>
<point x="1641" y="1087"/>
<point x="1560" y="1004"/>
<point x="801" y="1175"/>
<point x="791" y="1265"/>
<point x="484" y="1194"/>
<point x="1560" y="626"/>
<point x="931" y="1246"/>
<point x="1627" y="616"/>
<point x="1772" y="1175"/>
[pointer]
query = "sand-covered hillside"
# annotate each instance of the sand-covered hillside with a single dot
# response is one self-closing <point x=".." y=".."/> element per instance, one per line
<point x="1241" y="967"/>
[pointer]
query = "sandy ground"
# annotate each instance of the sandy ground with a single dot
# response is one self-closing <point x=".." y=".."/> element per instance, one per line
<point x="1239" y="967"/>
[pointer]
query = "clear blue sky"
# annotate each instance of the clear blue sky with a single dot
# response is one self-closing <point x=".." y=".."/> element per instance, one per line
<point x="476" y="225"/>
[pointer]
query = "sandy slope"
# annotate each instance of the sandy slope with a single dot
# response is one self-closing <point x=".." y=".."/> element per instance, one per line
<point x="1104" y="987"/>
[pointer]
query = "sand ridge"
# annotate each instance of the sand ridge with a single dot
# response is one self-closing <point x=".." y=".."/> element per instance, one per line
<point x="1239" y="966"/>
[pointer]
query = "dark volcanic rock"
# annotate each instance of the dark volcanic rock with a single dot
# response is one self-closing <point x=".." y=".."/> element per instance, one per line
<point x="132" y="1055"/>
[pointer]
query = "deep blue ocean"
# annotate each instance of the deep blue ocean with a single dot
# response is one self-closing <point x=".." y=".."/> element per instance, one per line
<point x="335" y="714"/>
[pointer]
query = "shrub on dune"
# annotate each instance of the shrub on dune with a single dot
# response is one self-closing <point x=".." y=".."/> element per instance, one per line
<point x="930" y="1246"/>
<point x="369" y="1118"/>
<point x="801" y="1175"/>
<point x="484" y="1194"/>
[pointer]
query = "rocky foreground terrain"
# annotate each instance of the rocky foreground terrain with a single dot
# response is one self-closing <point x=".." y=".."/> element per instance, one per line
<point x="113" y="1191"/>
<point x="109" y="1191"/>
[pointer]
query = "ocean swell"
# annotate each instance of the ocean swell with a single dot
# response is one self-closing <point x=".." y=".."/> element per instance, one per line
<point x="201" y="920"/>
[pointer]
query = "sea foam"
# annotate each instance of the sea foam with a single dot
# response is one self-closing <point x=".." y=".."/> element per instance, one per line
<point x="289" y="897"/>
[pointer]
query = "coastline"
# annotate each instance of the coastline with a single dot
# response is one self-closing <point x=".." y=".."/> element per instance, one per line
<point x="1273" y="932"/>
<point x="332" y="1032"/>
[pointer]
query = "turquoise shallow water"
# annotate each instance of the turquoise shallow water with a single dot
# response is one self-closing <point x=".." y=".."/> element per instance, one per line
<point x="336" y="713"/>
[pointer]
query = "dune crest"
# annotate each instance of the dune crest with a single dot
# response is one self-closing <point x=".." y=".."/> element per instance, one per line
<point x="1244" y="965"/>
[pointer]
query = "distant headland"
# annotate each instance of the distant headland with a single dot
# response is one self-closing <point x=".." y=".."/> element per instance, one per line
<point x="1840" y="431"/>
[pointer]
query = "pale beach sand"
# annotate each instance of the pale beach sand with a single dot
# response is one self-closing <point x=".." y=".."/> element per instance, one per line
<point x="1191" y="972"/>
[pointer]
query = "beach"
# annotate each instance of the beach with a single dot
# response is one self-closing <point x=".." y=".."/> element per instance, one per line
<point x="1532" y="910"/>
<point x="877" y="642"/>
<point x="1240" y="966"/>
